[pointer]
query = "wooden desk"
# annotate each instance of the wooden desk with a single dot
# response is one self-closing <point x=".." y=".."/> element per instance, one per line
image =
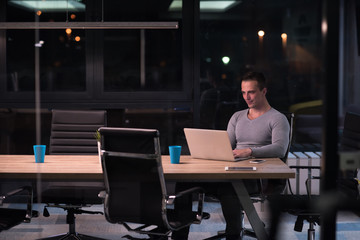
<point x="210" y="170"/>
<point x="75" y="167"/>
<point x="55" y="167"/>
<point x="88" y="167"/>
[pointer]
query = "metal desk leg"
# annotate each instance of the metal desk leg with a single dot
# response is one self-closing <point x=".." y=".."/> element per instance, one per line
<point x="250" y="211"/>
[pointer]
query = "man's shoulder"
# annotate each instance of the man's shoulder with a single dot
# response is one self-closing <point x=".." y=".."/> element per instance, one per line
<point x="274" y="115"/>
<point x="241" y="113"/>
<point x="238" y="115"/>
<point x="278" y="117"/>
<point x="275" y="112"/>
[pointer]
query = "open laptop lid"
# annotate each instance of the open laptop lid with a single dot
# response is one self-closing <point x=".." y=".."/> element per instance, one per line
<point x="209" y="144"/>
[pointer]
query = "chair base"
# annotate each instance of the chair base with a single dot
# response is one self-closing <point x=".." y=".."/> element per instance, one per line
<point x="244" y="232"/>
<point x="222" y="234"/>
<point x="71" y="236"/>
<point x="151" y="237"/>
<point x="70" y="220"/>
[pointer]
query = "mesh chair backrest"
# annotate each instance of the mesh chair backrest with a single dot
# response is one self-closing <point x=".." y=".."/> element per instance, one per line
<point x="351" y="135"/>
<point x="133" y="175"/>
<point x="73" y="131"/>
<point x="129" y="140"/>
<point x="290" y="117"/>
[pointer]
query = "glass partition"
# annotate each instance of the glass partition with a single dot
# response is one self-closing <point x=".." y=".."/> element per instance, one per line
<point x="280" y="39"/>
<point x="110" y="46"/>
<point x="142" y="60"/>
<point x="62" y="60"/>
<point x="119" y="69"/>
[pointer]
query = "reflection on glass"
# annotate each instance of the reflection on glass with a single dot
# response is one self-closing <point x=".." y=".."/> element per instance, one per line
<point x="47" y="11"/>
<point x="159" y="50"/>
<point x="250" y="34"/>
<point x="62" y="60"/>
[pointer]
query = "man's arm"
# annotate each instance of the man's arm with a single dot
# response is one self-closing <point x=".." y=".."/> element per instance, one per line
<point x="241" y="153"/>
<point x="280" y="140"/>
<point x="231" y="130"/>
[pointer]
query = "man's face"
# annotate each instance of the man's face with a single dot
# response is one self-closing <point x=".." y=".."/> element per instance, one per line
<point x="253" y="96"/>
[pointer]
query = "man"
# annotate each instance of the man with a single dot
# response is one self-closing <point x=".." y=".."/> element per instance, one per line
<point x="259" y="131"/>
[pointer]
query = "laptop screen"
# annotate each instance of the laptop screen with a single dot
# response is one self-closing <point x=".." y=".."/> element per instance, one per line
<point x="209" y="144"/>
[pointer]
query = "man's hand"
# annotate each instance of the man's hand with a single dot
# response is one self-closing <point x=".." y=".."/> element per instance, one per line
<point x="242" y="152"/>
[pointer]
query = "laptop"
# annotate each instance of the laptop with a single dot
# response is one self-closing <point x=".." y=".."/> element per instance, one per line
<point x="210" y="144"/>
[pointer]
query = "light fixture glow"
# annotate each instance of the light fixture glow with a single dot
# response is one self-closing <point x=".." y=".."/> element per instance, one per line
<point x="213" y="6"/>
<point x="77" y="39"/>
<point x="261" y="33"/>
<point x="50" y="6"/>
<point x="206" y="6"/>
<point x="39" y="44"/>
<point x="284" y="41"/>
<point x="68" y="31"/>
<point x="324" y="27"/>
<point x="225" y="60"/>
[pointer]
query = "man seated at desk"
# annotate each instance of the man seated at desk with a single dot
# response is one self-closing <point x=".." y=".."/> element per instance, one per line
<point x="259" y="131"/>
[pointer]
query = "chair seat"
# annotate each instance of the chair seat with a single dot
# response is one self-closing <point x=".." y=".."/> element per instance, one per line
<point x="74" y="195"/>
<point x="298" y="205"/>
<point x="12" y="217"/>
<point x="176" y="223"/>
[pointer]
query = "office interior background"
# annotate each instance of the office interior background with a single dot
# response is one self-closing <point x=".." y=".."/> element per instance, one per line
<point x="171" y="64"/>
<point x="173" y="73"/>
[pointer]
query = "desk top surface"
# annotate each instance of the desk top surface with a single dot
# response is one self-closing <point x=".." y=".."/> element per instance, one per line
<point x="89" y="167"/>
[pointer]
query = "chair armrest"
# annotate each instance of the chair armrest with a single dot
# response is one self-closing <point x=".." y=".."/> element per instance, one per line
<point x="14" y="192"/>
<point x="29" y="190"/>
<point x="102" y="194"/>
<point x="170" y="199"/>
<point x="201" y="196"/>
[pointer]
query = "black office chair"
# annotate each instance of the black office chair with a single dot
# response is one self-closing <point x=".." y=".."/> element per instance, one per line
<point x="350" y="142"/>
<point x="302" y="206"/>
<point x="73" y="133"/>
<point x="135" y="184"/>
<point x="10" y="217"/>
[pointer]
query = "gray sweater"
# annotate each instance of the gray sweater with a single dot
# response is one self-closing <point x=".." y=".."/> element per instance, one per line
<point x="267" y="135"/>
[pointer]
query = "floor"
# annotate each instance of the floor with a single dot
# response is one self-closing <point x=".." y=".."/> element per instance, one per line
<point x="348" y="226"/>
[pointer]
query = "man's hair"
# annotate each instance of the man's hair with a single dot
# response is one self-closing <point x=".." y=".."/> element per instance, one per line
<point x="256" y="76"/>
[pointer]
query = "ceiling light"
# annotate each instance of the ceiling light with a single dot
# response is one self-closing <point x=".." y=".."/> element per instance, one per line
<point x="50" y="5"/>
<point x="225" y="60"/>
<point x="261" y="33"/>
<point x="206" y="6"/>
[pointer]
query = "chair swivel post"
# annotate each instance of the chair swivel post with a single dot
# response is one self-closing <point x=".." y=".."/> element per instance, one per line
<point x="311" y="231"/>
